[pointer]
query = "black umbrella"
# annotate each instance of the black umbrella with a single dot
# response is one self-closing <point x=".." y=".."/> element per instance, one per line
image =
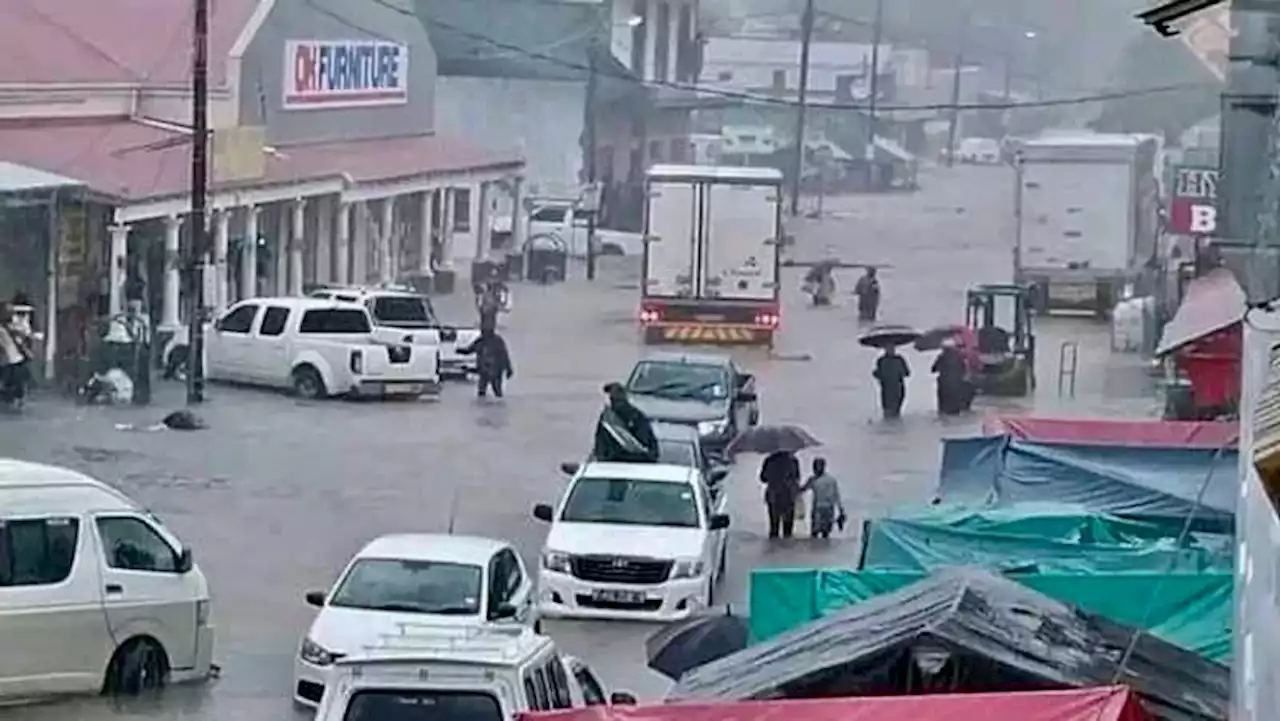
<point x="889" y="336"/>
<point x="688" y="644"/>
<point x="933" y="338"/>
<point x="769" y="439"/>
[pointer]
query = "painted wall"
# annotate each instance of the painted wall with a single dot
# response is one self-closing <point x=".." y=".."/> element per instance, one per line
<point x="1255" y="671"/>
<point x="264" y="72"/>
<point x="541" y="120"/>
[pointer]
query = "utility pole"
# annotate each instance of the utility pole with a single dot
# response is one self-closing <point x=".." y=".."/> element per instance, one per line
<point x="955" y="107"/>
<point x="806" y="40"/>
<point x="194" y="262"/>
<point x="873" y="92"/>
<point x="589" y="130"/>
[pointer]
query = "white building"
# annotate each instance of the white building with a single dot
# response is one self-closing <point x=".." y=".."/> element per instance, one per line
<point x="838" y="71"/>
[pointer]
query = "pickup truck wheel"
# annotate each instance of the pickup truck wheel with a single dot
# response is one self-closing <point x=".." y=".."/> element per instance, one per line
<point x="308" y="384"/>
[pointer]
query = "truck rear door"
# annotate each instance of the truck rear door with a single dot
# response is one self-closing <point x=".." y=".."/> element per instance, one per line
<point x="739" y="257"/>
<point x="1076" y="215"/>
<point x="671" y="226"/>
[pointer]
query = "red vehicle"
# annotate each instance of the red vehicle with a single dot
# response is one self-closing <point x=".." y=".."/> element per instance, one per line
<point x="711" y="259"/>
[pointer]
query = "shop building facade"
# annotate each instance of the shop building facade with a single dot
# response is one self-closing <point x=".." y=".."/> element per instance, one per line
<point x="325" y="164"/>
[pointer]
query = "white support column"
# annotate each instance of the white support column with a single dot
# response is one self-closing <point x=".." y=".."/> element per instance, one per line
<point x="446" y="228"/>
<point x="424" y="237"/>
<point x="281" y="250"/>
<point x="651" y="40"/>
<point x="170" y="318"/>
<point x="221" y="241"/>
<point x="119" y="271"/>
<point x="342" y="244"/>
<point x="386" y="254"/>
<point x="324" y="240"/>
<point x="249" y="254"/>
<point x="519" y="224"/>
<point x="482" y="228"/>
<point x="360" y="243"/>
<point x="296" y="241"/>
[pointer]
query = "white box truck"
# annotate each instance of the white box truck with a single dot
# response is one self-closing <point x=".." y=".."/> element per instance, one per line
<point x="711" y="260"/>
<point x="1087" y="217"/>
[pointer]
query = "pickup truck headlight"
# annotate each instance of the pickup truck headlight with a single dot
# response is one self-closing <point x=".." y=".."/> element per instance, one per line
<point x="555" y="561"/>
<point x="687" y="568"/>
<point x="316" y="655"/>
<point x="713" y="428"/>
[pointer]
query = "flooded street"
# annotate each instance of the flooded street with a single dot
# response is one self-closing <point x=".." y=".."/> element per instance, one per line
<point x="277" y="494"/>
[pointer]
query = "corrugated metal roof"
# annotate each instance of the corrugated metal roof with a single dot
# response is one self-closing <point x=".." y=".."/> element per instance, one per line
<point x="16" y="178"/>
<point x="1266" y="416"/>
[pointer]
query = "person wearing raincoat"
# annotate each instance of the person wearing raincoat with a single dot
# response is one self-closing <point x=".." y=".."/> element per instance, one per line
<point x="954" y="394"/>
<point x="891" y="373"/>
<point x="624" y="433"/>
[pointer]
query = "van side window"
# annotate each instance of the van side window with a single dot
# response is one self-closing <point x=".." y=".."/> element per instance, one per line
<point x="131" y="545"/>
<point x="37" y="552"/>
<point x="540" y="686"/>
<point x="561" y="696"/>
<point x="273" y="321"/>
<point x="592" y="691"/>
<point x="239" y="320"/>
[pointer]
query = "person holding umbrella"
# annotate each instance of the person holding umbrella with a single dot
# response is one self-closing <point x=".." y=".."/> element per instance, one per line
<point x="891" y="370"/>
<point x="954" y="395"/>
<point x="780" y="472"/>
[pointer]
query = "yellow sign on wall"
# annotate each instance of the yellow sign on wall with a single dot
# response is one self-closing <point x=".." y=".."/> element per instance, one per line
<point x="239" y="154"/>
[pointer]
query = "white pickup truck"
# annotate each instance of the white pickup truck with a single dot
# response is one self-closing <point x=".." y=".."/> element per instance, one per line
<point x="317" y="348"/>
<point x="403" y="315"/>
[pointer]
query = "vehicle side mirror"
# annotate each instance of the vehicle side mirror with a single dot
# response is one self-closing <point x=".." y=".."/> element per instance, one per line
<point x="315" y="598"/>
<point x="719" y="521"/>
<point x="747" y="397"/>
<point x="570" y="469"/>
<point x="717" y="475"/>
<point x="543" y="512"/>
<point x="622" y="698"/>
<point x="185" y="561"/>
<point x="505" y="611"/>
<point x="744" y="378"/>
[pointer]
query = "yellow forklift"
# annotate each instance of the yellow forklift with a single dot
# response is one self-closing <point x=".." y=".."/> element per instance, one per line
<point x="1000" y="318"/>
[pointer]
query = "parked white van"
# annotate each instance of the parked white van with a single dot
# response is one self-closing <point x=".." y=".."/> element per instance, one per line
<point x="95" y="594"/>
<point x="424" y="673"/>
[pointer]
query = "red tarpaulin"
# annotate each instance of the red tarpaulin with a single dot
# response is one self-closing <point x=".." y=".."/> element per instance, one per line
<point x="1110" y="703"/>
<point x="1167" y="434"/>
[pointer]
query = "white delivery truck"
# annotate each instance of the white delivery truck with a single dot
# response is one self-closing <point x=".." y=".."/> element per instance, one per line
<point x="1087" y="217"/>
<point x="711" y="261"/>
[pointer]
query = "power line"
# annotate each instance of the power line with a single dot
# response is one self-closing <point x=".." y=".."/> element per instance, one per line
<point x="769" y="100"/>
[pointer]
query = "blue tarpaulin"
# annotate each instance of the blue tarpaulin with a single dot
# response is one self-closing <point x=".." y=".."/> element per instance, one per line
<point x="1123" y="481"/>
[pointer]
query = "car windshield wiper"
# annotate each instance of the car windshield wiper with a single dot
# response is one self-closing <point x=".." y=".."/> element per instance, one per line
<point x="413" y="608"/>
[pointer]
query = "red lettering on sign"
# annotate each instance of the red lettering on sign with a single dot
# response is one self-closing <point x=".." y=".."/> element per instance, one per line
<point x="304" y="69"/>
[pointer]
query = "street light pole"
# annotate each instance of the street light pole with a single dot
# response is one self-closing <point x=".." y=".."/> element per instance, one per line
<point x="194" y="261"/>
<point x="873" y="92"/>
<point x="806" y="40"/>
<point x="589" y="131"/>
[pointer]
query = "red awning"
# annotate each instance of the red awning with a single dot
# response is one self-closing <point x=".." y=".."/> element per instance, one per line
<point x="1212" y="303"/>
<point x="1112" y="703"/>
<point x="1167" y="434"/>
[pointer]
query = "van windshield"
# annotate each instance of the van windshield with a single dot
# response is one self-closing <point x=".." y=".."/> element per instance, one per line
<point x="422" y="705"/>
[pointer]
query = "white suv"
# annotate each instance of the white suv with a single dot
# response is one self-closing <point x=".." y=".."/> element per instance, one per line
<point x="632" y="541"/>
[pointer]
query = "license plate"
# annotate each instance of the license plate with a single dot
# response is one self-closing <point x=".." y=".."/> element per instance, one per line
<point x="407" y="388"/>
<point x="709" y="317"/>
<point x="1073" y="292"/>
<point x="609" y="595"/>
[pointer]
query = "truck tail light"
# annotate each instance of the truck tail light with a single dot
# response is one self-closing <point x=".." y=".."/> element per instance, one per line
<point x="650" y="314"/>
<point x="357" y="362"/>
<point x="768" y="318"/>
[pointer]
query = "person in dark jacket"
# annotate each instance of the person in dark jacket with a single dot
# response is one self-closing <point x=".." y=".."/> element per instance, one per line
<point x="780" y="474"/>
<point x="624" y="433"/>
<point x="953" y="383"/>
<point x="493" y="361"/>
<point x="892" y="373"/>
<point x="868" y="291"/>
